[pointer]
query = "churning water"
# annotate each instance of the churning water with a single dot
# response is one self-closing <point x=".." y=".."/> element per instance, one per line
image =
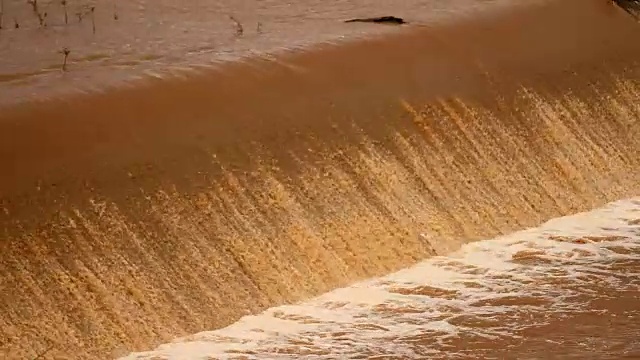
<point x="567" y="289"/>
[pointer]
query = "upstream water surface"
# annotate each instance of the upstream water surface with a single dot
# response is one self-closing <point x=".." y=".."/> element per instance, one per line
<point x="124" y="40"/>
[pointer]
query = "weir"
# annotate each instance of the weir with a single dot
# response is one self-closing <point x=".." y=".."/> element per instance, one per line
<point x="137" y="215"/>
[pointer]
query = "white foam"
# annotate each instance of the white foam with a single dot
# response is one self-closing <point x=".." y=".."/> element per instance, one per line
<point x="483" y="282"/>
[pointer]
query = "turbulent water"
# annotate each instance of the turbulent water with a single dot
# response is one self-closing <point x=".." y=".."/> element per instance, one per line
<point x="134" y="215"/>
<point x="567" y="289"/>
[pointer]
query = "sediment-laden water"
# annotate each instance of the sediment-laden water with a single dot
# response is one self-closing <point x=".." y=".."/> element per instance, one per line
<point x="135" y="215"/>
<point x="119" y="41"/>
<point x="567" y="289"/>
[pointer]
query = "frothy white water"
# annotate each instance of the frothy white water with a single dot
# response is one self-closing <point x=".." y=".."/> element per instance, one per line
<point x="487" y="291"/>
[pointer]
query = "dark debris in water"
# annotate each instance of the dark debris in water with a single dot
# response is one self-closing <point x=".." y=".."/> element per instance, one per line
<point x="632" y="7"/>
<point x="380" y="20"/>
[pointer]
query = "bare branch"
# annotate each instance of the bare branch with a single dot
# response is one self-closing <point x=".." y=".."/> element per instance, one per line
<point x="34" y="5"/>
<point x="65" y="52"/>
<point x="93" y="18"/>
<point x="1" y="12"/>
<point x="66" y="14"/>
<point x="239" y="28"/>
<point x="42" y="18"/>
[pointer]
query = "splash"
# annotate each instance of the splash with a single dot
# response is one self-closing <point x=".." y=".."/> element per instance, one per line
<point x="488" y="294"/>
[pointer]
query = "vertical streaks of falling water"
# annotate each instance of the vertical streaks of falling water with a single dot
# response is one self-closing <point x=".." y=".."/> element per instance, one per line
<point x="96" y="277"/>
<point x="535" y="293"/>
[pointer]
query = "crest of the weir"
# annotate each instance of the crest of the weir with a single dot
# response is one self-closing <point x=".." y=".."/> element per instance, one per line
<point x="138" y="215"/>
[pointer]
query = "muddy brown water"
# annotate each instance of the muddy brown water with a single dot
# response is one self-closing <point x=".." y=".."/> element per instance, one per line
<point x="568" y="289"/>
<point x="137" y="206"/>
<point x="135" y="39"/>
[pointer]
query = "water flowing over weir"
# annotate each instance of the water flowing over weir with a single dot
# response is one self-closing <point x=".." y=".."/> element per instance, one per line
<point x="134" y="216"/>
<point x="572" y="283"/>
